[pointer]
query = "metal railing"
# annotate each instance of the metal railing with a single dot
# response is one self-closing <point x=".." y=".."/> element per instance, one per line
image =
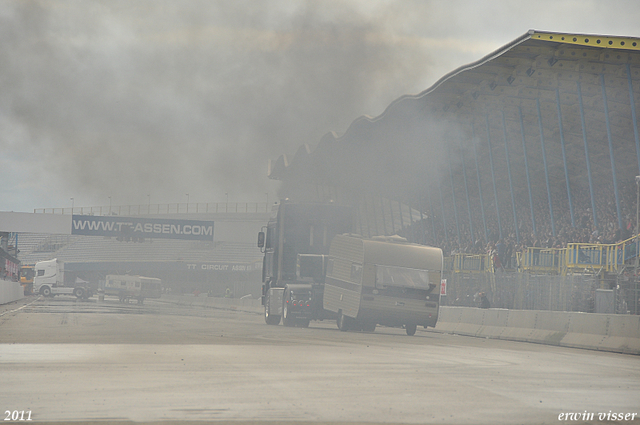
<point x="577" y="257"/>
<point x="151" y="209"/>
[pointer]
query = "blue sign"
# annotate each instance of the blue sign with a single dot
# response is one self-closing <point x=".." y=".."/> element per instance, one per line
<point x="148" y="228"/>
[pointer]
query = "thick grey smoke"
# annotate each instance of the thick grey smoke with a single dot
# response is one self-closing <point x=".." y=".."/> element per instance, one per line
<point x="129" y="99"/>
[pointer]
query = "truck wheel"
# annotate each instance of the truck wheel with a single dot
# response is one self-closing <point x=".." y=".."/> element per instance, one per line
<point x="269" y="318"/>
<point x="343" y="322"/>
<point x="46" y="291"/>
<point x="287" y="320"/>
<point x="78" y="292"/>
<point x="369" y="327"/>
<point x="303" y="323"/>
<point x="411" y="329"/>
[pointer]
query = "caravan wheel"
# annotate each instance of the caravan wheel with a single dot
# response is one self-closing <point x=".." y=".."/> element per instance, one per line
<point x="411" y="329"/>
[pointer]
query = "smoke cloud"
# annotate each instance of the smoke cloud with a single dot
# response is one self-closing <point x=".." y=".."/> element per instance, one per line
<point x="130" y="99"/>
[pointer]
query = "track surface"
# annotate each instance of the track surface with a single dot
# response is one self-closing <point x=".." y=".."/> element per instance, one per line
<point x="68" y="360"/>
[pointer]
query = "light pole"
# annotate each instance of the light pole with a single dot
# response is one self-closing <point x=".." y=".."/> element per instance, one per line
<point x="267" y="193"/>
<point x="72" y="203"/>
<point x="109" y="205"/>
<point x="187" y="202"/>
<point x="226" y="206"/>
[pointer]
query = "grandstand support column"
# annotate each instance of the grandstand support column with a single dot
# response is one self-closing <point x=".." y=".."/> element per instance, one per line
<point x="411" y="225"/>
<point x="423" y="239"/>
<point x="401" y="218"/>
<point x="632" y="102"/>
<point x="493" y="176"/>
<point x="384" y="221"/>
<point x="546" y="169"/>
<point x="609" y="138"/>
<point x="586" y="154"/>
<point x="366" y="213"/>
<point x="360" y="217"/>
<point x="453" y="195"/>
<point x="375" y="214"/>
<point x="635" y="275"/>
<point x="513" y="198"/>
<point x="526" y="167"/>
<point x="444" y="216"/>
<point x="475" y="153"/>
<point x="466" y="190"/>
<point x="433" y="217"/>
<point x="393" y="222"/>
<point x="564" y="156"/>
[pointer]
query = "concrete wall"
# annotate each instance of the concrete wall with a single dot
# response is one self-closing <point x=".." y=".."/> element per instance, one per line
<point x="607" y="332"/>
<point x="10" y="291"/>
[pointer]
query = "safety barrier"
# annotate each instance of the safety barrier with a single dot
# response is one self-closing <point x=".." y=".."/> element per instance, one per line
<point x="10" y="291"/>
<point x="576" y="257"/>
<point x="606" y="332"/>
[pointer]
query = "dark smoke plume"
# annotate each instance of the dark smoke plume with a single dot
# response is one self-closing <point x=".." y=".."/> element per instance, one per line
<point x="129" y="99"/>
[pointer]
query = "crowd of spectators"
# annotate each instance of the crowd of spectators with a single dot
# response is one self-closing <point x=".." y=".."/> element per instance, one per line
<point x="458" y="238"/>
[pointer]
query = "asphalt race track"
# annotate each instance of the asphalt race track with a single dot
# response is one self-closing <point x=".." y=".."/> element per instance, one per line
<point x="64" y="360"/>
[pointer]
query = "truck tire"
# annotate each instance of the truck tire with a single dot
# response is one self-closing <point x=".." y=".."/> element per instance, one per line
<point x="45" y="291"/>
<point x="369" y="327"/>
<point x="303" y="323"/>
<point x="287" y="320"/>
<point x="79" y="292"/>
<point x="411" y="329"/>
<point x="269" y="318"/>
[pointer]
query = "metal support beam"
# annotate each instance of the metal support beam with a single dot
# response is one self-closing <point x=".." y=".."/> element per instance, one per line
<point x="466" y="190"/>
<point x="393" y="222"/>
<point x="433" y="223"/>
<point x="546" y="169"/>
<point x="564" y="157"/>
<point x="586" y="153"/>
<point x="613" y="162"/>
<point x="453" y="195"/>
<point x="513" y="196"/>
<point x="493" y="177"/>
<point x="526" y="166"/>
<point x="444" y="216"/>
<point x="475" y="153"/>
<point x="375" y="216"/>
<point x="632" y="102"/>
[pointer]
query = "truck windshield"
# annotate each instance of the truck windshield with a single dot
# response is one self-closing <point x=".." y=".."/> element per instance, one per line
<point x="401" y="277"/>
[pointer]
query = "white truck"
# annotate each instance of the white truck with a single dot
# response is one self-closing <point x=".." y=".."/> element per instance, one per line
<point x="48" y="281"/>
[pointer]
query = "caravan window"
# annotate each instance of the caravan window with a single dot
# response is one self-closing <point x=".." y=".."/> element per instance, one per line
<point x="401" y="277"/>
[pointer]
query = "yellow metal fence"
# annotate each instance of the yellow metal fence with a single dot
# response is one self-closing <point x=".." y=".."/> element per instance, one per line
<point x="576" y="257"/>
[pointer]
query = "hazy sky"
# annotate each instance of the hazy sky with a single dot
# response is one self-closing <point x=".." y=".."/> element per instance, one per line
<point x="126" y="99"/>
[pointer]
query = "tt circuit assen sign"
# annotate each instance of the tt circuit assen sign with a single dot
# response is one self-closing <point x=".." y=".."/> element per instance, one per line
<point x="148" y="228"/>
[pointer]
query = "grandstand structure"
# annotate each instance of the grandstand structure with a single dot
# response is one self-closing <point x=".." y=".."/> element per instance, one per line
<point x="232" y="260"/>
<point x="533" y="147"/>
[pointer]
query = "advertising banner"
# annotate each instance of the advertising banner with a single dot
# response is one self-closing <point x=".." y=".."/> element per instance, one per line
<point x="131" y="228"/>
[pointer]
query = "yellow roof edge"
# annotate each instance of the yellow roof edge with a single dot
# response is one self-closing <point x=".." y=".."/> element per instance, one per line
<point x="590" y="40"/>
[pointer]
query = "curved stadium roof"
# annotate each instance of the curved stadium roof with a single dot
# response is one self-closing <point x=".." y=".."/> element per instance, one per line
<point x="552" y="114"/>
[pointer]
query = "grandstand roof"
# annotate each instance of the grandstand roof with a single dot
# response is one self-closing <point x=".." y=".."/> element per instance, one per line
<point x="543" y="90"/>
